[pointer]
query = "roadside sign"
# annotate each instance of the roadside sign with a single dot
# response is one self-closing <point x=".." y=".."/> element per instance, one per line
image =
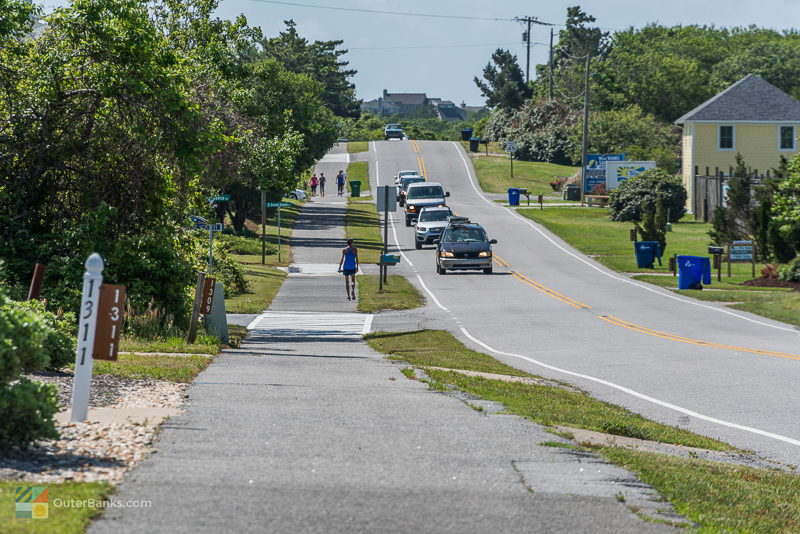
<point x="741" y="251"/>
<point x="208" y="296"/>
<point x="110" y="313"/>
<point x="619" y="171"/>
<point x="221" y="198"/>
<point x="511" y="147"/>
<point x="279" y="204"/>
<point x="595" y="171"/>
<point x="209" y="227"/>
<point x="387" y="198"/>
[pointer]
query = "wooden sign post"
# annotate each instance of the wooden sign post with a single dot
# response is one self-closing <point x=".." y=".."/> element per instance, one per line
<point x="87" y="326"/>
<point x="207" y="300"/>
<point x="110" y="314"/>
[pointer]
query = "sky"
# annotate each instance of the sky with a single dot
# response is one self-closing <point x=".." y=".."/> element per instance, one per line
<point x="441" y="56"/>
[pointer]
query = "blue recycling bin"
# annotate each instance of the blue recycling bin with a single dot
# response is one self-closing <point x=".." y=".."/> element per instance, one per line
<point x="693" y="272"/>
<point x="646" y="253"/>
<point x="513" y="196"/>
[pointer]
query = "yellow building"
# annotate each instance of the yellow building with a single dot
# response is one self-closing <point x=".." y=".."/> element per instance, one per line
<point x="751" y="117"/>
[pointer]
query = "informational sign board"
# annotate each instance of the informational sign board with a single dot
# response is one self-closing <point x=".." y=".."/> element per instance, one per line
<point x="110" y="314"/>
<point x="387" y="198"/>
<point x="279" y="204"/>
<point x="221" y="198"/>
<point x="210" y="227"/>
<point x="596" y="169"/>
<point x="619" y="171"/>
<point x="208" y="296"/>
<point x="511" y="147"/>
<point x="741" y="251"/>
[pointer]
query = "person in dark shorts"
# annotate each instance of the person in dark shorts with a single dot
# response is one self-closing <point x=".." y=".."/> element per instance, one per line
<point x="321" y="184"/>
<point x="340" y="184"/>
<point x="348" y="266"/>
<point x="314" y="182"/>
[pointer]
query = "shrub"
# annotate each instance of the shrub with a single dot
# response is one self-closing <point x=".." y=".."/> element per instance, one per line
<point x="226" y="269"/>
<point x="27" y="407"/>
<point x="625" y="202"/>
<point x="791" y="272"/>
<point x="558" y="184"/>
<point x="60" y="341"/>
<point x="239" y="244"/>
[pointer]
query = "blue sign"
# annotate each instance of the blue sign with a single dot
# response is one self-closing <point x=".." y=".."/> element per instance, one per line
<point x="596" y="170"/>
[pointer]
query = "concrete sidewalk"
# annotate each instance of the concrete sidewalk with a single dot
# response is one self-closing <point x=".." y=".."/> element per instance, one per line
<point x="307" y="429"/>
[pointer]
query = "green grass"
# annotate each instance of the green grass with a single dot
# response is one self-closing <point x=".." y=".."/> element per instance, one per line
<point x="719" y="497"/>
<point x="397" y="294"/>
<point x="362" y="225"/>
<point x="236" y="334"/>
<point x="354" y="147"/>
<point x="494" y="174"/>
<point x="173" y="368"/>
<point x="263" y="283"/>
<point x="359" y="171"/>
<point x="494" y="148"/>
<point x="204" y="344"/>
<point x="60" y="520"/>
<point x="549" y="405"/>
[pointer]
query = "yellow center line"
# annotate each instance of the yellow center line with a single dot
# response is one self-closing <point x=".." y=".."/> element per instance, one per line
<point x="539" y="287"/>
<point x="673" y="337"/>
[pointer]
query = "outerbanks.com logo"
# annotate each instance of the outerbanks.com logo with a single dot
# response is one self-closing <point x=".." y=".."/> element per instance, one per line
<point x="32" y="502"/>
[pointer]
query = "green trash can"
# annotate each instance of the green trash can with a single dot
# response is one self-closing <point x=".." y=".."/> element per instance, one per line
<point x="355" y="188"/>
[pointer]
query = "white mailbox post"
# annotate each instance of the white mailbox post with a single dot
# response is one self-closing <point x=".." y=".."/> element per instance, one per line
<point x="87" y="324"/>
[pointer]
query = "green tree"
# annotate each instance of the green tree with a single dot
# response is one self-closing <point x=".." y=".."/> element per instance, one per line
<point x="505" y="83"/>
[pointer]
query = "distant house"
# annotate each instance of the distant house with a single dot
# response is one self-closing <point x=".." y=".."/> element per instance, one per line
<point x="751" y="117"/>
<point x="405" y="104"/>
<point x="448" y="111"/>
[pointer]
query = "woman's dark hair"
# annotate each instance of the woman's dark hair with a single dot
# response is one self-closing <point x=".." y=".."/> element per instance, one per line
<point x="349" y="241"/>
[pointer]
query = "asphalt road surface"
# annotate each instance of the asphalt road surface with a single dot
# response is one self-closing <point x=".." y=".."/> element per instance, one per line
<point x="550" y="310"/>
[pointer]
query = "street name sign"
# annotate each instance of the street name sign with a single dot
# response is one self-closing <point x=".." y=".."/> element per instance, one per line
<point x="279" y="204"/>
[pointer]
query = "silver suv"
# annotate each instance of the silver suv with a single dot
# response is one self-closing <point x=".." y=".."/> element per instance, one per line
<point x="430" y="225"/>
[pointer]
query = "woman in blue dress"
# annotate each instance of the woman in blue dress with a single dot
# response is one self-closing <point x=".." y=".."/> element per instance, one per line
<point x="348" y="265"/>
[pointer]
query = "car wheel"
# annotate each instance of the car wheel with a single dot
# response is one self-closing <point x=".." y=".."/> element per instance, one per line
<point x="293" y="196"/>
<point x="440" y="270"/>
<point x="408" y="222"/>
<point x="487" y="270"/>
<point x="402" y="203"/>
<point x="418" y="245"/>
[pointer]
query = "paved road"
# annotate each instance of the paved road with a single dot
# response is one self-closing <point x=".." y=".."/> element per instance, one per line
<point x="307" y="429"/>
<point x="555" y="312"/>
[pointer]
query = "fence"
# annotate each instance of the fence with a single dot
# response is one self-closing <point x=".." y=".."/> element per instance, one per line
<point x="710" y="189"/>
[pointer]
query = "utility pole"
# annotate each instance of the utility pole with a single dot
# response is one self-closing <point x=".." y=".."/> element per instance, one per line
<point x="526" y="38"/>
<point x="585" y="146"/>
<point x="550" y="63"/>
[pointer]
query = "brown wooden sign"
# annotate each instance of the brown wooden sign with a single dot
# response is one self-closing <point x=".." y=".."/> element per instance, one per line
<point x="208" y="296"/>
<point x="110" y="313"/>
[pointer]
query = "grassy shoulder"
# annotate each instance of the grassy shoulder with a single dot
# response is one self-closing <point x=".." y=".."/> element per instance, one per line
<point x="546" y="402"/>
<point x="719" y="497"/>
<point x="263" y="283"/>
<point x="60" y="520"/>
<point x="494" y="174"/>
<point x="353" y="147"/>
<point x="359" y="171"/>
<point x="608" y="242"/>
<point x="158" y="366"/>
<point x="362" y="225"/>
<point x="397" y="294"/>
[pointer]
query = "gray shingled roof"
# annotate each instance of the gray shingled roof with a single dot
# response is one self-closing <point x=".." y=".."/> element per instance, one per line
<point x="407" y="98"/>
<point x="749" y="99"/>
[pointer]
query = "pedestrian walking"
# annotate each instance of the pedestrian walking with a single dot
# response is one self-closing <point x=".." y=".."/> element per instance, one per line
<point x="340" y="184"/>
<point x="348" y="266"/>
<point x="322" y="184"/>
<point x="314" y="181"/>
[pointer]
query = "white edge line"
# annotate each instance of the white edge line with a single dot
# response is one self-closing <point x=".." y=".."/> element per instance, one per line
<point x="642" y="396"/>
<point x="367" y="328"/>
<point x="431" y="293"/>
<point x="601" y="271"/>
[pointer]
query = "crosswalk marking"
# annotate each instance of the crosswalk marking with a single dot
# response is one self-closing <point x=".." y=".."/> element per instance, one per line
<point x="312" y="324"/>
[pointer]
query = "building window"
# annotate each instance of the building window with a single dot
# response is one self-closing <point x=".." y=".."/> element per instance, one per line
<point x="726" y="138"/>
<point x="786" y="138"/>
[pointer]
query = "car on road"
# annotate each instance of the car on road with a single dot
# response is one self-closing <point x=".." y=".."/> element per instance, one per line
<point x="297" y="194"/>
<point x="464" y="245"/>
<point x="421" y="195"/>
<point x="393" y="131"/>
<point x="405" y="173"/>
<point x="402" y="186"/>
<point x="430" y="225"/>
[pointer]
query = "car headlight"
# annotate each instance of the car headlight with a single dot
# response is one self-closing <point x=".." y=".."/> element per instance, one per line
<point x="411" y="208"/>
<point x="485" y="254"/>
<point x="422" y="229"/>
<point x="446" y="254"/>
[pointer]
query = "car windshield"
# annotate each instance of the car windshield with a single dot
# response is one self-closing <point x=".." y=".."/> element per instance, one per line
<point x="408" y="173"/>
<point x="464" y="235"/>
<point x="428" y="191"/>
<point x="437" y="215"/>
<point x="405" y="182"/>
<point x="392" y="127"/>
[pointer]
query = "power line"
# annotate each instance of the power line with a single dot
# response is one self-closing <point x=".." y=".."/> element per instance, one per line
<point x="433" y="46"/>
<point x="382" y="12"/>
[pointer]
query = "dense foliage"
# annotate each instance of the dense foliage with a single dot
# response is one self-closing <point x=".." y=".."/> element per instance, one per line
<point x="122" y="117"/>
<point x="647" y="189"/>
